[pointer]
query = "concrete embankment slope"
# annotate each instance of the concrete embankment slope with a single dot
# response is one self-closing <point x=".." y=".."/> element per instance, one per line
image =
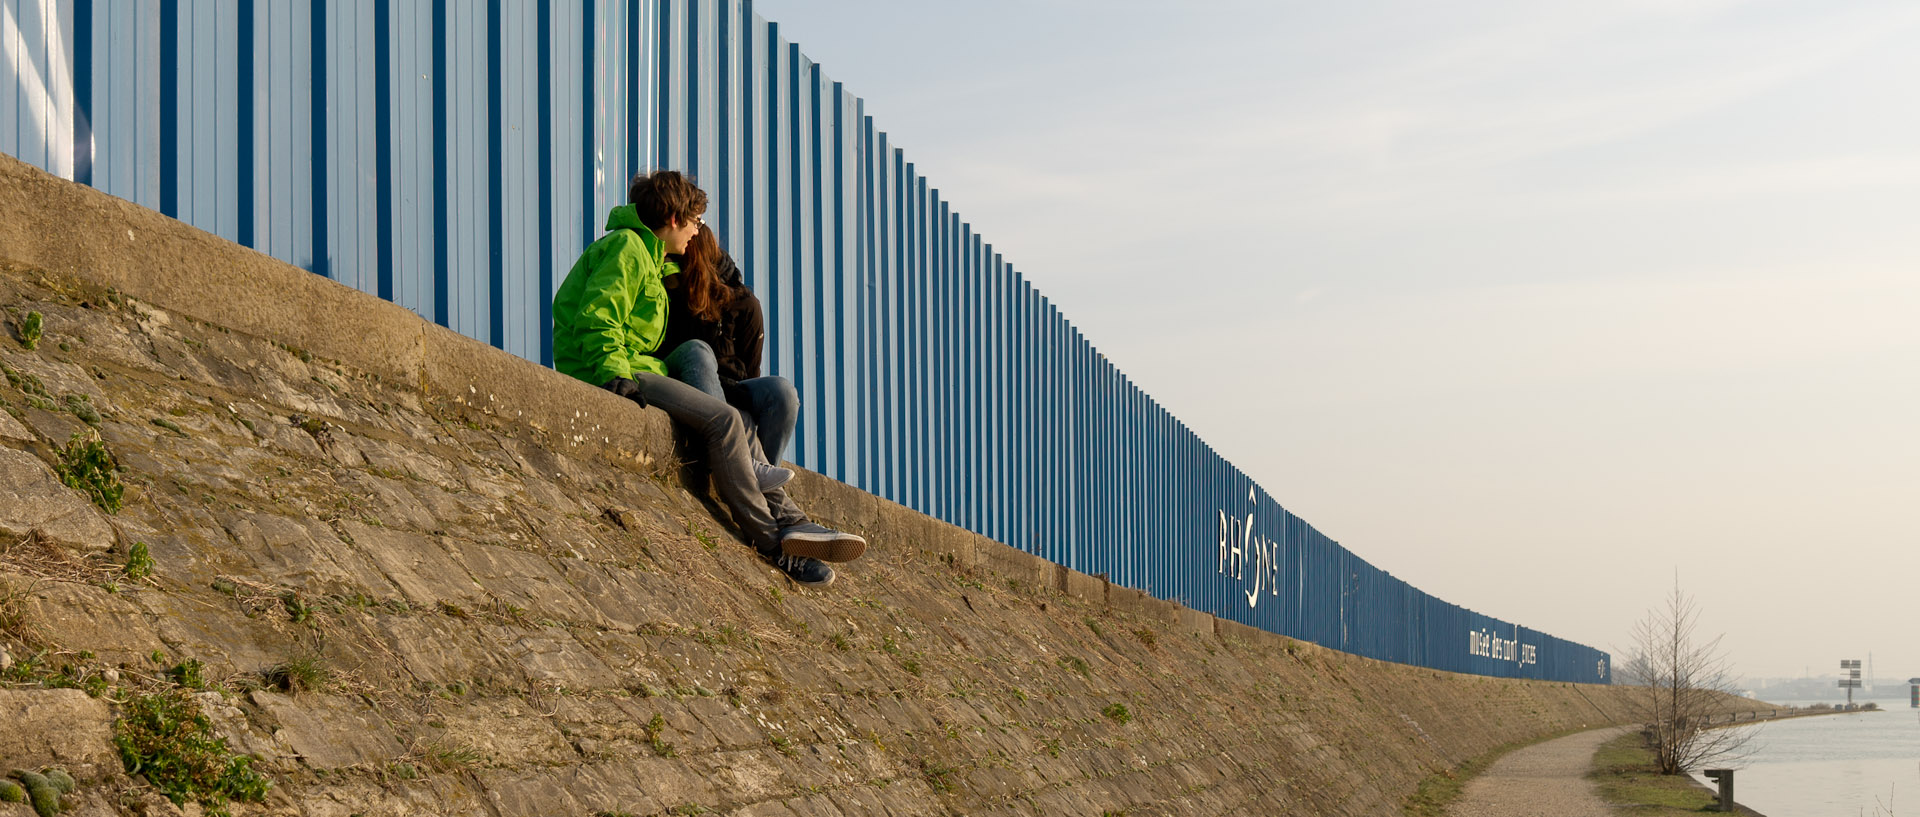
<point x="411" y="574"/>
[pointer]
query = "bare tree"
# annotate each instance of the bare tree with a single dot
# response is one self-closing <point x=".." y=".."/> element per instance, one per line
<point x="1685" y="682"/>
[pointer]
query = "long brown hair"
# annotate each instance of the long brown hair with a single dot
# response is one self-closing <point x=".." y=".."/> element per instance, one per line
<point x="700" y="272"/>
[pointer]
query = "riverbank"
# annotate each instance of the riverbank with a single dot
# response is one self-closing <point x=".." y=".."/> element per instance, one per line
<point x="1566" y="769"/>
<point x="1623" y="775"/>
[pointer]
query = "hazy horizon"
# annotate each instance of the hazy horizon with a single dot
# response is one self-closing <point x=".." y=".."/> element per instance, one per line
<point x="1532" y="306"/>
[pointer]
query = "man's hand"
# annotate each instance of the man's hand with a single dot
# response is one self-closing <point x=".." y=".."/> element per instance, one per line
<point x="626" y="387"/>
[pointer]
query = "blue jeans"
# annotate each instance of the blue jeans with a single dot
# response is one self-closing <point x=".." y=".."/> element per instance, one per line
<point x="773" y="404"/>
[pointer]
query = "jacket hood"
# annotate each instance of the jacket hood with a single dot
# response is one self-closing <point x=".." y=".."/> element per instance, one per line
<point x="729" y="272"/>
<point x="627" y="217"/>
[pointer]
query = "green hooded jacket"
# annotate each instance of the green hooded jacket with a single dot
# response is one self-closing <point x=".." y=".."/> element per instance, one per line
<point x="611" y="311"/>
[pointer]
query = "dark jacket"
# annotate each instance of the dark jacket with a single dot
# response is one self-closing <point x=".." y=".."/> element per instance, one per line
<point x="736" y="337"/>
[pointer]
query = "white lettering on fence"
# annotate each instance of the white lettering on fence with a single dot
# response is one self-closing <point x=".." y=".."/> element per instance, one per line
<point x="1485" y="644"/>
<point x="1240" y="550"/>
<point x="1241" y="553"/>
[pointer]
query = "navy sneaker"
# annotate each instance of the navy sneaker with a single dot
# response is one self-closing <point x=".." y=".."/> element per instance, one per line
<point x="810" y="572"/>
<point x="821" y="542"/>
<point x="771" y="476"/>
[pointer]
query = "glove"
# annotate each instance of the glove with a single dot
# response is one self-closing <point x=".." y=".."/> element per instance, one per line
<point x="626" y="387"/>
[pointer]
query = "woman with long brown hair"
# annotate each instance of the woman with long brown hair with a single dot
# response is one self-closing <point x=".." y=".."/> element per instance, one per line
<point x="609" y="318"/>
<point x="713" y="342"/>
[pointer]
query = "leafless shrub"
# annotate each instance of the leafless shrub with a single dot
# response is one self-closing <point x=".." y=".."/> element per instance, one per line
<point x="1684" y="681"/>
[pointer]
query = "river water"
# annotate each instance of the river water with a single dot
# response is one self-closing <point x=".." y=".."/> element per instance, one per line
<point x="1856" y="764"/>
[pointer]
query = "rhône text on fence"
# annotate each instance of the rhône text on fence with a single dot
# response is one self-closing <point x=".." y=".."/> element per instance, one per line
<point x="1240" y="550"/>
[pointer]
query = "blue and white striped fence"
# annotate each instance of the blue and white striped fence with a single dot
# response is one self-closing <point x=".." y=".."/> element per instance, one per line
<point x="454" y="156"/>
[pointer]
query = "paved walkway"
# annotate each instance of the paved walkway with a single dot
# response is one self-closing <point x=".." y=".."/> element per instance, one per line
<point x="1545" y="778"/>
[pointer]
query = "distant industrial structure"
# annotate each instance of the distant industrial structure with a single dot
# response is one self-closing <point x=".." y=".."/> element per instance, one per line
<point x="1851" y="667"/>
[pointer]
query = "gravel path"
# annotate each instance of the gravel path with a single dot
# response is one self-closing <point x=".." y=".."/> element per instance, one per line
<point x="1545" y="778"/>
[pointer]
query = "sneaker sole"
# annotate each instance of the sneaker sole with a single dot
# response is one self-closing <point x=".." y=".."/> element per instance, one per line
<point x="765" y="487"/>
<point x="843" y="547"/>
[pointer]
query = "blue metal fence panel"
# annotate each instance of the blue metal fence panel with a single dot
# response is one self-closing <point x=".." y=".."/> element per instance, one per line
<point x="206" y="116"/>
<point x="38" y="96"/>
<point x="23" y="89"/>
<point x="467" y="178"/>
<point x="842" y="335"/>
<point x="809" y="265"/>
<point x="522" y="320"/>
<point x="282" y="114"/>
<point x="414" y="126"/>
<point x="455" y="158"/>
<point x="782" y="193"/>
<point x="351" y="145"/>
<point x="126" y="103"/>
<point x="756" y="149"/>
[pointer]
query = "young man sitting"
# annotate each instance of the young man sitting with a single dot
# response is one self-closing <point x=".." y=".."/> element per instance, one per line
<point x="608" y="319"/>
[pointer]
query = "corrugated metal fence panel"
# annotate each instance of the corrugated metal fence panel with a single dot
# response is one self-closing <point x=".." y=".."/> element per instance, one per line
<point x="205" y="185"/>
<point x="414" y="178"/>
<point x="124" y="129"/>
<point x="523" y="322"/>
<point x="350" y="101"/>
<point x="38" y="96"/>
<point x="456" y="157"/>
<point x="468" y="161"/>
<point x="282" y="109"/>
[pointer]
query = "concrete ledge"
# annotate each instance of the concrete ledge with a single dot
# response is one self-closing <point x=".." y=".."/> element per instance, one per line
<point x="1139" y="603"/>
<point x="1080" y="585"/>
<point x="1030" y="571"/>
<point x="52" y="223"/>
<point x="475" y="377"/>
<point x="1187" y="619"/>
<point x="953" y="545"/>
<point x="1228" y="628"/>
<point x="1299" y="647"/>
<point x="838" y="504"/>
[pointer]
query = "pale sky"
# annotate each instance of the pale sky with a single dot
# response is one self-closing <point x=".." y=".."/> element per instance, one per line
<point x="1532" y="304"/>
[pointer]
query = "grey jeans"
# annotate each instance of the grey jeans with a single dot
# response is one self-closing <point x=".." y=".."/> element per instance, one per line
<point x="731" y="450"/>
<point x="773" y="406"/>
